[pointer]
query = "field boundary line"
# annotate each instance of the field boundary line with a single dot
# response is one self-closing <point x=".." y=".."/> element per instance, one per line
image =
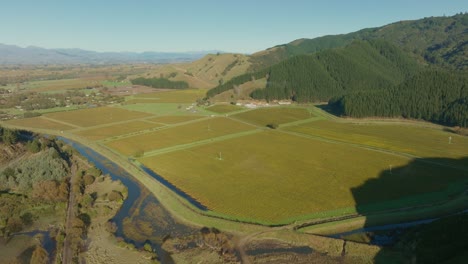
<point x="146" y="131"/>
<point x="60" y="122"/>
<point x="199" y="143"/>
<point x="372" y="148"/>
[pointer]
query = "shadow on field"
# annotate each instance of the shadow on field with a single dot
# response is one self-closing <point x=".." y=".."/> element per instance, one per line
<point x="425" y="189"/>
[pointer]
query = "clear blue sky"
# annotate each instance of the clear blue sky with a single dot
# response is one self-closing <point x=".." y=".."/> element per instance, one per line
<point x="191" y="25"/>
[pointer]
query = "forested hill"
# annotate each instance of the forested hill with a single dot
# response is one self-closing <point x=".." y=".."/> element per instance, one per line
<point x="360" y="66"/>
<point x="435" y="95"/>
<point x="441" y="41"/>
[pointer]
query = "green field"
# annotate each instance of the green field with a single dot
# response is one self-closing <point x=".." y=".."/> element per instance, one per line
<point x="179" y="96"/>
<point x="166" y="109"/>
<point x="96" y="116"/>
<point x="308" y="168"/>
<point x="272" y="177"/>
<point x="116" y="130"/>
<point x="59" y="85"/>
<point x="184" y="134"/>
<point x="224" y="108"/>
<point x="276" y="115"/>
<point x="419" y="141"/>
<point x="39" y="122"/>
<point x="174" y="119"/>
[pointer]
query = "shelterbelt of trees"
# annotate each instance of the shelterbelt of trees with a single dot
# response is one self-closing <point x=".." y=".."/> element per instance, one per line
<point x="160" y="83"/>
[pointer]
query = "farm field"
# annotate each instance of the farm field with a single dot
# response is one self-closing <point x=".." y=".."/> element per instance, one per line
<point x="224" y="108"/>
<point x="39" y="122"/>
<point x="254" y="181"/>
<point x="178" y="96"/>
<point x="116" y="130"/>
<point x="277" y="115"/>
<point x="419" y="141"/>
<point x="184" y="134"/>
<point x="165" y="109"/>
<point x="174" y="119"/>
<point x="60" y="85"/>
<point x="96" y="116"/>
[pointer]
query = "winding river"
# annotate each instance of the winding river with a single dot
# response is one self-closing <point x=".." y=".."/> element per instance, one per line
<point x="133" y="208"/>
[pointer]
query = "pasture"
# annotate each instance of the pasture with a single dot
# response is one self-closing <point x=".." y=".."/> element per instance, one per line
<point x="116" y="130"/>
<point x="183" y="134"/>
<point x="273" y="177"/>
<point x="419" y="141"/>
<point x="165" y="109"/>
<point x="224" y="108"/>
<point x="174" y="119"/>
<point x="277" y="115"/>
<point x="96" y="116"/>
<point x="39" y="122"/>
<point x="175" y="96"/>
<point x="60" y="85"/>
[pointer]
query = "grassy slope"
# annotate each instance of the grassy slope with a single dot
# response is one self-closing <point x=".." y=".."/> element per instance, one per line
<point x="207" y="71"/>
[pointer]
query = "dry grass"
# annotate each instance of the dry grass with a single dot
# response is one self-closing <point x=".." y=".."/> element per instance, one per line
<point x="241" y="93"/>
<point x="39" y="122"/>
<point x="96" y="116"/>
<point x="116" y="130"/>
<point x="184" y="134"/>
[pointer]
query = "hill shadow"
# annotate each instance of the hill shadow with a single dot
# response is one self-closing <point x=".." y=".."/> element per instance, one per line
<point x="413" y="215"/>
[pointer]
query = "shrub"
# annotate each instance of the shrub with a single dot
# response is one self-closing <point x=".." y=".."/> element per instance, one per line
<point x="88" y="179"/>
<point x="115" y="196"/>
<point x="272" y="125"/>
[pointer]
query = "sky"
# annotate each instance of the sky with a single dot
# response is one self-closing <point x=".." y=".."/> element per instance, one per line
<point x="199" y="25"/>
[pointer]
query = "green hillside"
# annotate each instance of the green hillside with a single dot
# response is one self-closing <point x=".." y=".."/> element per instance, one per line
<point x="437" y="96"/>
<point x="360" y="66"/>
<point x="436" y="40"/>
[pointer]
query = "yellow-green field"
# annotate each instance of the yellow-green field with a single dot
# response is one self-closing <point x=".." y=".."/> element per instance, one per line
<point x="96" y="116"/>
<point x="277" y="115"/>
<point x="61" y="85"/>
<point x="224" y="108"/>
<point x="178" y="96"/>
<point x="116" y="130"/>
<point x="419" y="141"/>
<point x="272" y="177"/>
<point x="184" y="134"/>
<point x="174" y="119"/>
<point x="39" y="122"/>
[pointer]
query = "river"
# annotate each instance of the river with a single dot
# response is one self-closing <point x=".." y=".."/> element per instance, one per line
<point x="136" y="207"/>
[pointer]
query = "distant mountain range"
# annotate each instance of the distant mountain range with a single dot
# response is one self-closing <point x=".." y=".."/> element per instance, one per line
<point x="11" y="54"/>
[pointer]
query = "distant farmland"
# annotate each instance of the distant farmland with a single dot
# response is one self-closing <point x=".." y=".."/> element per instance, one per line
<point x="224" y="108"/>
<point x="277" y="115"/>
<point x="174" y="119"/>
<point x="116" y="130"/>
<point x="181" y="96"/>
<point x="39" y="122"/>
<point x="96" y="116"/>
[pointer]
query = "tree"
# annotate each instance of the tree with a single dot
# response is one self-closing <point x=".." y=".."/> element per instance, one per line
<point x="9" y="136"/>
